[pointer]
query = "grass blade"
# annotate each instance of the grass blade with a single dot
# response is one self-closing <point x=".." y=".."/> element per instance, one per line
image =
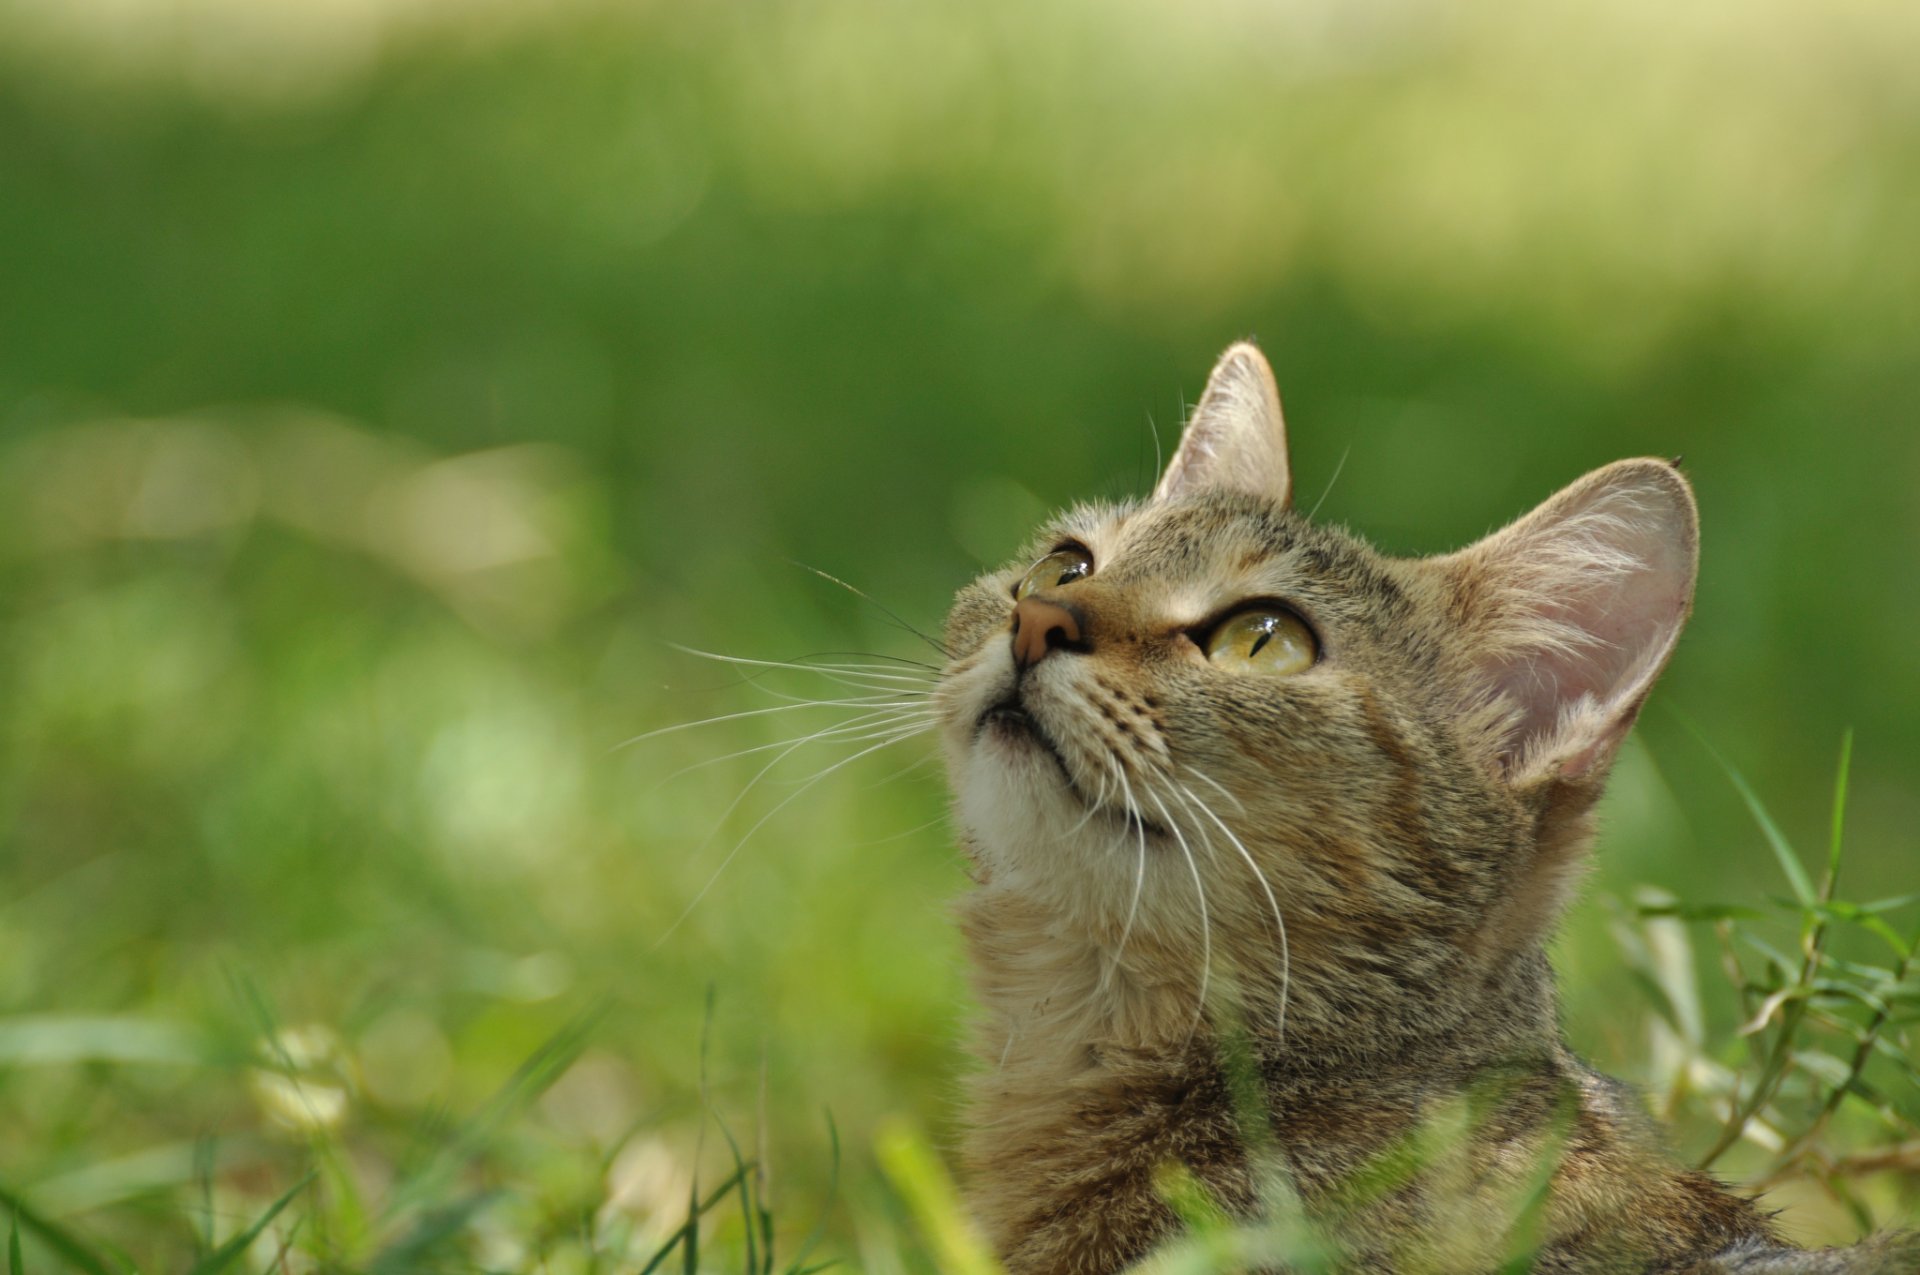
<point x="409" y="1251"/>
<point x="746" y="1196"/>
<point x="1839" y="809"/>
<point x="14" y="1265"/>
<point x="1796" y="872"/>
<point x="672" y="1242"/>
<point x="54" y="1236"/>
<point x="796" y="1267"/>
<point x="922" y="1181"/>
<point x="222" y="1257"/>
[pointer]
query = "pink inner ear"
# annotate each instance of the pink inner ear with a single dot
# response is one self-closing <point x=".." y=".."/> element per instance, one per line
<point x="1236" y="438"/>
<point x="1597" y="585"/>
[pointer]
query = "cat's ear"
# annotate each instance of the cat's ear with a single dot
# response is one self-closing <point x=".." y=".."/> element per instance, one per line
<point x="1235" y="438"/>
<point x="1573" y="611"/>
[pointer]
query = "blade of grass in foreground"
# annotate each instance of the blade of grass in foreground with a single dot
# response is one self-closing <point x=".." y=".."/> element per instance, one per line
<point x="691" y="1225"/>
<point x="409" y="1252"/>
<point x="1791" y="1001"/>
<point x="917" y="1174"/>
<point x="797" y="1265"/>
<point x="1839" y="810"/>
<point x="1790" y="864"/>
<point x="52" y="1235"/>
<point x="222" y="1257"/>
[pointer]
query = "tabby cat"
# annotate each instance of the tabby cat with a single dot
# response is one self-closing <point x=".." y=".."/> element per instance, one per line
<point x="1233" y="781"/>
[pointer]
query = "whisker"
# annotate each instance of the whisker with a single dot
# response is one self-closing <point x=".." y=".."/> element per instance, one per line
<point x="754" y="782"/>
<point x="871" y="681"/>
<point x="1140" y="873"/>
<point x="905" y="670"/>
<point x="762" y="822"/>
<point x="847" y="732"/>
<point x="1203" y="776"/>
<point x="934" y="822"/>
<point x="1330" y="482"/>
<point x="908" y="769"/>
<point x="865" y="701"/>
<point x="1279" y="921"/>
<point x="875" y="655"/>
<point x="885" y="610"/>
<point x="819" y="670"/>
<point x="874" y="694"/>
<point x="1206" y="926"/>
<point x="1093" y="808"/>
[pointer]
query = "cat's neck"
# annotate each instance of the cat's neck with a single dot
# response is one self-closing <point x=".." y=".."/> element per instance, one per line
<point x="1060" y="998"/>
<point x="1097" y="1072"/>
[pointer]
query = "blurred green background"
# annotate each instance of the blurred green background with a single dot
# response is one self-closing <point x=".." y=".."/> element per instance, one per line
<point x="386" y="386"/>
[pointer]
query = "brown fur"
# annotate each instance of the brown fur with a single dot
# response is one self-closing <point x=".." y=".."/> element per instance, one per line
<point x="1416" y="807"/>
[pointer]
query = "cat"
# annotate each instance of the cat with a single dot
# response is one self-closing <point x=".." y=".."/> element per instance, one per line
<point x="1226" y="776"/>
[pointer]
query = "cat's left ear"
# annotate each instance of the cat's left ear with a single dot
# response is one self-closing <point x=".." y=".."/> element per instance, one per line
<point x="1573" y="611"/>
<point x="1236" y="437"/>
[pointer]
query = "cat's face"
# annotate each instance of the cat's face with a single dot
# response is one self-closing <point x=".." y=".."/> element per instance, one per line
<point x="1185" y="726"/>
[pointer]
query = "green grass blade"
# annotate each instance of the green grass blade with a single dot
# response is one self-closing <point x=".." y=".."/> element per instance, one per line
<point x="222" y="1257"/>
<point x="690" y="1250"/>
<point x="434" y="1177"/>
<point x="1790" y="864"/>
<point x="922" y="1181"/>
<point x="746" y="1195"/>
<point x="796" y="1266"/>
<point x="14" y="1265"/>
<point x="55" y="1237"/>
<point x="408" y="1253"/>
<point x="1839" y="809"/>
<point x="673" y="1241"/>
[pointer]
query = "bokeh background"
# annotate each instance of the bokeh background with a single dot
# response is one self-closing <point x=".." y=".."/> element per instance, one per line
<point x="387" y="387"/>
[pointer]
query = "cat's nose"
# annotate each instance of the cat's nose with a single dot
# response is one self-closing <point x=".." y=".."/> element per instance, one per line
<point x="1039" y="629"/>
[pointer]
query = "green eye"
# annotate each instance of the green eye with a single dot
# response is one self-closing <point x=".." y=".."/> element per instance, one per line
<point x="1063" y="566"/>
<point x="1263" y="640"/>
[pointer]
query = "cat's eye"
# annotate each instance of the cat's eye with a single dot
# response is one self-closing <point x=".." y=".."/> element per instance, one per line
<point x="1266" y="639"/>
<point x="1063" y="566"/>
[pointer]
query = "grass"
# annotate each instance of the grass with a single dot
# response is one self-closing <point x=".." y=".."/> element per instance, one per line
<point x="1815" y="1086"/>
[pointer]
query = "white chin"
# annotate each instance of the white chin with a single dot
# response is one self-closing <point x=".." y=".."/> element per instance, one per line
<point x="1013" y="792"/>
<point x="1035" y="836"/>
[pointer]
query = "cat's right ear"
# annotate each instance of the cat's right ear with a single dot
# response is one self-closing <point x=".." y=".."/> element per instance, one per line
<point x="1573" y="611"/>
<point x="1236" y="437"/>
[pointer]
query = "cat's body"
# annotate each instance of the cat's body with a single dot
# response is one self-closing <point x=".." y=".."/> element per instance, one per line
<point x="1228" y="776"/>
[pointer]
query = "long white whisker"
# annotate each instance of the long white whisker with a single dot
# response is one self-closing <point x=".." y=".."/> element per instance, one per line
<point x="874" y="693"/>
<point x="935" y="643"/>
<point x="877" y="682"/>
<point x="887" y="700"/>
<point x="1330" y="482"/>
<point x="852" y="670"/>
<point x="934" y="822"/>
<point x="1206" y="926"/>
<point x="907" y="769"/>
<point x="762" y="821"/>
<point x="752" y="783"/>
<point x="888" y="661"/>
<point x="1202" y="775"/>
<point x="917" y="674"/>
<point x="1140" y="873"/>
<point x="848" y="732"/>
<point x="1279" y="922"/>
<point x="1093" y="808"/>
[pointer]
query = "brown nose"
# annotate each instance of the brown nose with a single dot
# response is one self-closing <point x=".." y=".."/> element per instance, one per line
<point x="1040" y="628"/>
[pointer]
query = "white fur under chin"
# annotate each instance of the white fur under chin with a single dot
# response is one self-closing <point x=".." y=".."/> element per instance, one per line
<point x="1037" y="840"/>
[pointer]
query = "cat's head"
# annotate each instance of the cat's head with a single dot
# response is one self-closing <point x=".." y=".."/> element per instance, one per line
<point x="1177" y="725"/>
